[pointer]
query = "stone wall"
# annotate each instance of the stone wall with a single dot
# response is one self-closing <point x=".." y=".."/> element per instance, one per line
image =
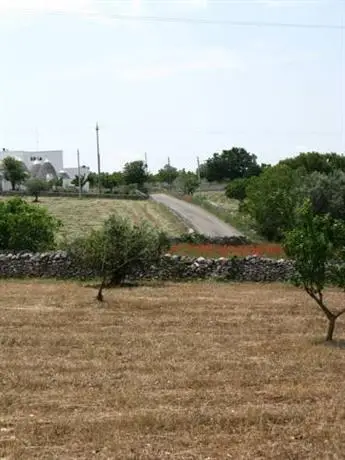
<point x="171" y="267"/>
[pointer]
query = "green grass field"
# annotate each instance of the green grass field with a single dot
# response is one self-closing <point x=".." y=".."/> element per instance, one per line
<point x="80" y="216"/>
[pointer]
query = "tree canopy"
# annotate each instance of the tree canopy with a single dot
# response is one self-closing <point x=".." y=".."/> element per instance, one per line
<point x="135" y="173"/>
<point x="230" y="164"/>
<point x="14" y="171"/>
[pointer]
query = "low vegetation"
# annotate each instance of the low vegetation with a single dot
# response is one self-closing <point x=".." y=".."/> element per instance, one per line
<point x="152" y="376"/>
<point x="274" y="251"/>
<point x="26" y="227"/>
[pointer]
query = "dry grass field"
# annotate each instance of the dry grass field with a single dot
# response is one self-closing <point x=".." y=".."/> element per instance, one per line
<point x="79" y="216"/>
<point x="175" y="371"/>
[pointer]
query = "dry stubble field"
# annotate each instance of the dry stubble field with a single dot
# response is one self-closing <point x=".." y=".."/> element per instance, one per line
<point x="175" y="371"/>
<point x="80" y="216"/>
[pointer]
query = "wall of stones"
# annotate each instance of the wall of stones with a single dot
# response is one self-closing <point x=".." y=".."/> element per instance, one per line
<point x="171" y="267"/>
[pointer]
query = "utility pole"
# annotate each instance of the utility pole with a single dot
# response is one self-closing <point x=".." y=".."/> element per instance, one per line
<point x="79" y="178"/>
<point x="98" y="160"/>
<point x="169" y="182"/>
<point x="146" y="165"/>
<point x="198" y="170"/>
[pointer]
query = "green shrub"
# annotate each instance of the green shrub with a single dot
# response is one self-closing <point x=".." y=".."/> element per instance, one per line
<point x="118" y="250"/>
<point x="35" y="186"/>
<point x="24" y="226"/>
<point x="236" y="189"/>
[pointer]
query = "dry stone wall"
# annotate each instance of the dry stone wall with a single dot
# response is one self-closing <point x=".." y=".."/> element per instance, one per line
<point x="171" y="267"/>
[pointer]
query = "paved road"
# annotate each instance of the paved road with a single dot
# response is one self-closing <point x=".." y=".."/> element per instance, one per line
<point x="202" y="221"/>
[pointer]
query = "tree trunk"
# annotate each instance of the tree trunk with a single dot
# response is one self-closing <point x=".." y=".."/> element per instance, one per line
<point x="100" y="291"/>
<point x="116" y="280"/>
<point x="36" y="199"/>
<point x="331" y="325"/>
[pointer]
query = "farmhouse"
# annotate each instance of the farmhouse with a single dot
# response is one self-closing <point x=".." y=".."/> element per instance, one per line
<point x="45" y="164"/>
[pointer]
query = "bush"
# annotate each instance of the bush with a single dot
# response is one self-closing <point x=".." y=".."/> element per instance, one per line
<point x="118" y="250"/>
<point x="236" y="189"/>
<point x="24" y="226"/>
<point x="271" y="200"/>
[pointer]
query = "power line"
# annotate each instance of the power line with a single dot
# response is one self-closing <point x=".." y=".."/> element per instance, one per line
<point x="204" y="21"/>
<point x="224" y="22"/>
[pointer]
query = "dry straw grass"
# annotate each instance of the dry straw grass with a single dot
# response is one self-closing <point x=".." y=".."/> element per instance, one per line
<point x="80" y="216"/>
<point x="184" y="371"/>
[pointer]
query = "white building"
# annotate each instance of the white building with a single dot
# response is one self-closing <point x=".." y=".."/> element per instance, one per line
<point x="55" y="157"/>
<point x="45" y="164"/>
<point x="69" y="174"/>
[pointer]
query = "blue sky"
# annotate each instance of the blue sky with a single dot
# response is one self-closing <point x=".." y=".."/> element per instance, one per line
<point x="170" y="89"/>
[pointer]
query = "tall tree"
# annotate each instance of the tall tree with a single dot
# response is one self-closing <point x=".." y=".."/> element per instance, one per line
<point x="167" y="174"/>
<point x="230" y="164"/>
<point x="135" y="173"/>
<point x="14" y="171"/>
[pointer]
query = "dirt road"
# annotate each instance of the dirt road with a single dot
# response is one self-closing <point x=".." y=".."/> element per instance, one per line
<point x="200" y="220"/>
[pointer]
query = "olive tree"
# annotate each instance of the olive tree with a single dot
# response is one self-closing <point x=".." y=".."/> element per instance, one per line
<point x="316" y="245"/>
<point x="14" y="171"/>
<point x="119" y="249"/>
<point x="35" y="186"/>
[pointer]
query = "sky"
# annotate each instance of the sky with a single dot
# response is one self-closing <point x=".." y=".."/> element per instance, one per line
<point x="177" y="89"/>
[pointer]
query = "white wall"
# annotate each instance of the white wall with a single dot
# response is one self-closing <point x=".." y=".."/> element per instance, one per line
<point x="72" y="172"/>
<point x="54" y="156"/>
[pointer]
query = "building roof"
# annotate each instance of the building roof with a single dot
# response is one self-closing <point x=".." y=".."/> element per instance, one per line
<point x="46" y="169"/>
<point x="35" y="168"/>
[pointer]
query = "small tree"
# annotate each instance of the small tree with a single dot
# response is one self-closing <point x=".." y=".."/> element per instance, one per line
<point x="14" y="171"/>
<point x="135" y="173"/>
<point x="36" y="186"/>
<point x="24" y="226"/>
<point x="83" y="180"/>
<point x="110" y="181"/>
<point x="316" y="245"/>
<point x="167" y="174"/>
<point x="187" y="181"/>
<point x="118" y="250"/>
